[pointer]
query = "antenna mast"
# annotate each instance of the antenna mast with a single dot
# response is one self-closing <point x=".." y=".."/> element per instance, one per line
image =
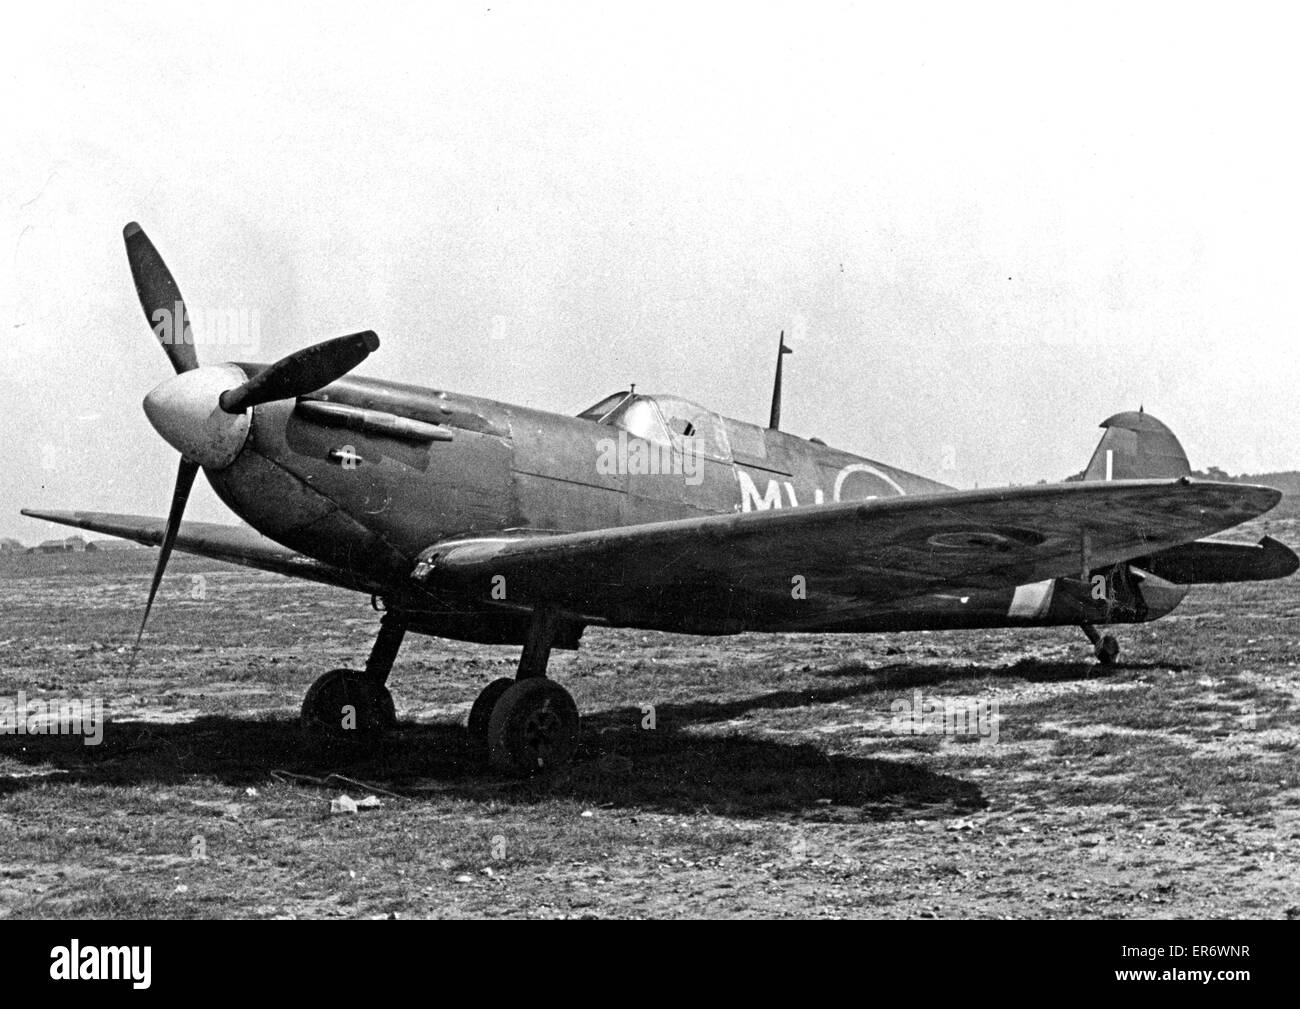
<point x="774" y="420"/>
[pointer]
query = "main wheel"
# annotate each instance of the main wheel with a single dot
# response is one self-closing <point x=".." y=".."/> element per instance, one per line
<point x="1107" y="650"/>
<point x="481" y="713"/>
<point x="534" y="727"/>
<point x="347" y="707"/>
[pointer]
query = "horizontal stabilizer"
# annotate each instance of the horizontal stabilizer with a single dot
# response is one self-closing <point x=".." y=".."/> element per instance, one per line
<point x="1207" y="562"/>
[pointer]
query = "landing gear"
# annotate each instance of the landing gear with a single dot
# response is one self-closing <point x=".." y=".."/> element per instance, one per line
<point x="345" y="707"/>
<point x="530" y="723"/>
<point x="351" y="708"/>
<point x="522" y="725"/>
<point x="534" y="727"/>
<point x="1105" y="647"/>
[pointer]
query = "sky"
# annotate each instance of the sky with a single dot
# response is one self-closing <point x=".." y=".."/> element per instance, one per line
<point x="983" y="228"/>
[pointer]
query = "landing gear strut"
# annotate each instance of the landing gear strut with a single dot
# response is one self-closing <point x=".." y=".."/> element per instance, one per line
<point x="530" y="723"/>
<point x="351" y="708"/>
<point x="1105" y="647"/>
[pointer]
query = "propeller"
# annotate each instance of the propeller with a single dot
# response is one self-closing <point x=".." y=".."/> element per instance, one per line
<point x="184" y="483"/>
<point x="301" y="372"/>
<point x="191" y="411"/>
<point x="164" y="308"/>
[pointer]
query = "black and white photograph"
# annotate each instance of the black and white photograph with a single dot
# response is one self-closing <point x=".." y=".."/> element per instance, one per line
<point x="651" y="461"/>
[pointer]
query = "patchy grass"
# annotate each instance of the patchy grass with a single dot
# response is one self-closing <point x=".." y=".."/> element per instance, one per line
<point x="772" y="783"/>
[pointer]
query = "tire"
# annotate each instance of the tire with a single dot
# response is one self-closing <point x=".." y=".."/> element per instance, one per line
<point x="476" y="726"/>
<point x="325" y="716"/>
<point x="534" y="727"/>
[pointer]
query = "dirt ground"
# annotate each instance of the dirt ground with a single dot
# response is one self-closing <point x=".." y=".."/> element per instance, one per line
<point x="748" y="776"/>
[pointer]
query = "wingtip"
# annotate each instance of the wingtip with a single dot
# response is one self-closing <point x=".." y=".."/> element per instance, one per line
<point x="1259" y="498"/>
<point x="131" y="230"/>
<point x="1265" y="493"/>
<point x="60" y="518"/>
<point x="1262" y="499"/>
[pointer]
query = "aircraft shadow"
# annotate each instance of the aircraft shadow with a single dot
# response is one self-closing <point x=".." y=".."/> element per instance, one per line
<point x="905" y="676"/>
<point x="619" y="764"/>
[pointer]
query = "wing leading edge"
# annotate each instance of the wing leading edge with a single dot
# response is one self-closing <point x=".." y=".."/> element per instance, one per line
<point x="798" y="568"/>
<point x="236" y="544"/>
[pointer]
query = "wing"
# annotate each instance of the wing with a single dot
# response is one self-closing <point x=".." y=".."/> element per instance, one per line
<point x="796" y="568"/>
<point x="236" y="544"/>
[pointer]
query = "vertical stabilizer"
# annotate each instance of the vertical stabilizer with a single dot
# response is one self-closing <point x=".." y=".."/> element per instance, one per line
<point x="1136" y="446"/>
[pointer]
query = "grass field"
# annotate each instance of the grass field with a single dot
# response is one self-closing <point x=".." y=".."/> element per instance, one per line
<point x="772" y="782"/>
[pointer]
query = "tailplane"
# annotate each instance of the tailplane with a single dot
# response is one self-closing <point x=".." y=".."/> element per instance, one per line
<point x="1136" y="446"/>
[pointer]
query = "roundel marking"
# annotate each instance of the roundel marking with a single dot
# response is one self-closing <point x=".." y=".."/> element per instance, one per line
<point x="861" y="467"/>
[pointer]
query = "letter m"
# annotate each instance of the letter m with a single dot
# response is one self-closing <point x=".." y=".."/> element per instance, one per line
<point x="115" y="963"/>
<point x="749" y="496"/>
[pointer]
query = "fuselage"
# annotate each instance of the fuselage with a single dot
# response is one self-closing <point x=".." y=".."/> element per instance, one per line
<point x="365" y="474"/>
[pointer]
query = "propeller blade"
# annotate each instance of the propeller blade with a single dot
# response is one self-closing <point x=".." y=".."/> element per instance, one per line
<point x="301" y="372"/>
<point x="161" y="299"/>
<point x="184" y="483"/>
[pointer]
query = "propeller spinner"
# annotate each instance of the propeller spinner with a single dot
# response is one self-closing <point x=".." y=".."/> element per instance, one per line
<point x="203" y="411"/>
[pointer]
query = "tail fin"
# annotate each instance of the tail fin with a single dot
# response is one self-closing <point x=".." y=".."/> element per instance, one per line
<point x="1136" y="446"/>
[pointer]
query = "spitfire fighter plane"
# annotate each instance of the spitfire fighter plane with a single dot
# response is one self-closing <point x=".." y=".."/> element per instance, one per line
<point x="482" y="521"/>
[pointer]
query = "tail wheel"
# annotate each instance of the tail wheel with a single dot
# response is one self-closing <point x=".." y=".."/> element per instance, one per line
<point x="481" y="713"/>
<point x="533" y="727"/>
<point x="347" y="707"/>
<point x="1107" y="650"/>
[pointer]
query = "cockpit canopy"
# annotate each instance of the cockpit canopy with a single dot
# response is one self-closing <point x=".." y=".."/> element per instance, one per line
<point x="665" y="420"/>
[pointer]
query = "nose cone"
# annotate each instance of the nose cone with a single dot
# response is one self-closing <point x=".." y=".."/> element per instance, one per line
<point x="184" y="411"/>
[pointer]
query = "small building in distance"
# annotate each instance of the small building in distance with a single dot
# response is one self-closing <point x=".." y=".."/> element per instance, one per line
<point x="9" y="545"/>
